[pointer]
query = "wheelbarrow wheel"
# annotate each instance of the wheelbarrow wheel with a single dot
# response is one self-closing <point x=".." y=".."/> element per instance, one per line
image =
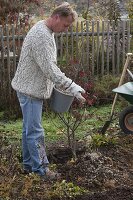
<point x="126" y="120"/>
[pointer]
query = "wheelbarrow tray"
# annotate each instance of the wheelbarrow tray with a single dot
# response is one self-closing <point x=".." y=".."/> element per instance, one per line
<point x="126" y="91"/>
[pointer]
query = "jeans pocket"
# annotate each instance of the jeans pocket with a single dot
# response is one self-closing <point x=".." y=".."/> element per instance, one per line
<point x="22" y="98"/>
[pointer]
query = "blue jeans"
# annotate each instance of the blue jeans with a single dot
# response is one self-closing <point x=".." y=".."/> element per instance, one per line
<point x="33" y="146"/>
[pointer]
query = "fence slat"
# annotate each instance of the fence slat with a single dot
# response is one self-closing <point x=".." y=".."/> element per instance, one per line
<point x="128" y="36"/>
<point x="98" y="47"/>
<point x="102" y="47"/>
<point x="77" y="39"/>
<point x="87" y="43"/>
<point x="93" y="42"/>
<point x="123" y="44"/>
<point x="67" y="48"/>
<point x="108" y="46"/>
<point x="14" y="49"/>
<point x="8" y="62"/>
<point x="19" y="48"/>
<point x="72" y="44"/>
<point x="118" y="49"/>
<point x="113" y="47"/>
<point x="2" y="58"/>
<point x="82" y="44"/>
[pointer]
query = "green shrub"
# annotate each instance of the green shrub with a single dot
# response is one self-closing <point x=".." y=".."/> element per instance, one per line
<point x="99" y="140"/>
<point x="103" y="88"/>
<point x="64" y="190"/>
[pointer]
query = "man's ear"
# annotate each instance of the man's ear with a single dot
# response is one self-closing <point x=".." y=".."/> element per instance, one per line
<point x="57" y="17"/>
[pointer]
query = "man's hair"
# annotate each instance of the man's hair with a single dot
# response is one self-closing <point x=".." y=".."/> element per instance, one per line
<point x="65" y="10"/>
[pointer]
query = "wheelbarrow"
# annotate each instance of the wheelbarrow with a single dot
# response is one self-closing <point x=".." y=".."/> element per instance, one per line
<point x="126" y="91"/>
<point x="126" y="115"/>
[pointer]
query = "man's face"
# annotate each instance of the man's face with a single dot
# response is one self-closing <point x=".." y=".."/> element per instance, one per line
<point x="61" y="24"/>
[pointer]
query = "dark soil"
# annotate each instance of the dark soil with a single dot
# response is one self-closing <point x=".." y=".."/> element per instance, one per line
<point x="106" y="172"/>
<point x="121" y="193"/>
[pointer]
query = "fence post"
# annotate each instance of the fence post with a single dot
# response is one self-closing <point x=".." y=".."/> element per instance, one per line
<point x="102" y="48"/>
<point x="118" y="49"/>
<point x="14" y="49"/>
<point x="2" y="61"/>
<point x="98" y="47"/>
<point x="87" y="41"/>
<point x="113" y="47"/>
<point x="123" y="43"/>
<point x="8" y="65"/>
<point x="128" y="36"/>
<point x="72" y="44"/>
<point x="108" y="41"/>
<point x="93" y="43"/>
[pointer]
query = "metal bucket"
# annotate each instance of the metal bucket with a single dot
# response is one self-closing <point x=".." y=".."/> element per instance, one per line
<point x="60" y="101"/>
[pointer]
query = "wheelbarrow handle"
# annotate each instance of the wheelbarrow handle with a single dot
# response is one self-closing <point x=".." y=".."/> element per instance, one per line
<point x="130" y="73"/>
<point x="129" y="55"/>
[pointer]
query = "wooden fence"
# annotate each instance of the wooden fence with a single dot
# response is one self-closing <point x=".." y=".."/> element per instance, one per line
<point x="99" y="46"/>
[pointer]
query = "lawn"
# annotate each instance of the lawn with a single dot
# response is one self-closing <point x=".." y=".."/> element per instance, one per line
<point x="54" y="128"/>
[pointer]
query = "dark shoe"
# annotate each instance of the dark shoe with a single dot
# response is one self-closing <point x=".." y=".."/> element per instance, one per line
<point x="26" y="171"/>
<point x="50" y="175"/>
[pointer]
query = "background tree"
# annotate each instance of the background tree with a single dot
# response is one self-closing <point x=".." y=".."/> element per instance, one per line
<point x="12" y="10"/>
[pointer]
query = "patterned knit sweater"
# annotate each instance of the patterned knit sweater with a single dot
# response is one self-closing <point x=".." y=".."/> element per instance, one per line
<point x="37" y="70"/>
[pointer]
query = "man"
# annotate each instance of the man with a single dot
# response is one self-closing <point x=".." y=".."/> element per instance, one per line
<point x="36" y="74"/>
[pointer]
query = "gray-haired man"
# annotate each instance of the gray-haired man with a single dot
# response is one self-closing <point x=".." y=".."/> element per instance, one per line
<point x="36" y="74"/>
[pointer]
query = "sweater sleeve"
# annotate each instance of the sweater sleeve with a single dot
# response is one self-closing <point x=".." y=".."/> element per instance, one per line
<point x="44" y="54"/>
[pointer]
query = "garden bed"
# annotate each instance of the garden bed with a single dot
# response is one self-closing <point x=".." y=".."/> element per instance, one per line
<point x="99" y="173"/>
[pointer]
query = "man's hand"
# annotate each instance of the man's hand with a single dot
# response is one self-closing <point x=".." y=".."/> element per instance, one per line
<point x="80" y="97"/>
<point x="77" y="91"/>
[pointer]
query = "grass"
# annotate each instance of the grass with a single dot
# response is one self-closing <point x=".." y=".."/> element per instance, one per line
<point x="54" y="128"/>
